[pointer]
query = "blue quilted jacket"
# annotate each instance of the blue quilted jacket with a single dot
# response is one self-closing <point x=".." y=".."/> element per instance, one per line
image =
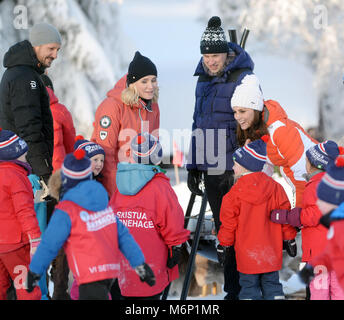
<point x="214" y="127"/>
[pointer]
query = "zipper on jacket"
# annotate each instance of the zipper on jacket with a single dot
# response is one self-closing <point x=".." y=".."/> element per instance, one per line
<point x="212" y="103"/>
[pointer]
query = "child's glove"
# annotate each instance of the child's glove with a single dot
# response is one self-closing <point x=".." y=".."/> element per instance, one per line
<point x="173" y="256"/>
<point x="306" y="275"/>
<point x="290" y="247"/>
<point x="146" y="274"/>
<point x="284" y="216"/>
<point x="222" y="253"/>
<point x="34" y="243"/>
<point x="31" y="280"/>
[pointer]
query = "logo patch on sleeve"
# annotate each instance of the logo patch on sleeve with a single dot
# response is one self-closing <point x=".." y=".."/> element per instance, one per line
<point x="33" y="84"/>
<point x="105" y="122"/>
<point x="103" y="135"/>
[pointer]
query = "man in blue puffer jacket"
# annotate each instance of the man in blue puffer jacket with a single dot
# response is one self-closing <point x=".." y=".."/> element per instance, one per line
<point x="222" y="67"/>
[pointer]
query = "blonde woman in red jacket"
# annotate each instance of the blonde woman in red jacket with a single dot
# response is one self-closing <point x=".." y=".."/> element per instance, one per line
<point x="246" y="226"/>
<point x="130" y="108"/>
<point x="19" y="229"/>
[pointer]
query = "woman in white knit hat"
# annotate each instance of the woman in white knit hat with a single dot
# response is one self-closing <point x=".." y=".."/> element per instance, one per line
<point x="288" y="140"/>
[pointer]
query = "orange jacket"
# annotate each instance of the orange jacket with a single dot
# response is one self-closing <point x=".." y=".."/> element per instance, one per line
<point x="287" y="147"/>
<point x="64" y="131"/>
<point x="245" y="223"/>
<point x="116" y="124"/>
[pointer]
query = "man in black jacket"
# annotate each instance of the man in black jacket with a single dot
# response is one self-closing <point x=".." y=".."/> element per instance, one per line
<point x="24" y="101"/>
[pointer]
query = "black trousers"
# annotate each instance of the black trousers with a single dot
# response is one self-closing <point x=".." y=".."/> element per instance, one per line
<point x="97" y="290"/>
<point x="116" y="294"/>
<point x="216" y="187"/>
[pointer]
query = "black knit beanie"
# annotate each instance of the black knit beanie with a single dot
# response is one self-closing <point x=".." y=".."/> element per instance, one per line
<point x="214" y="39"/>
<point x="140" y="67"/>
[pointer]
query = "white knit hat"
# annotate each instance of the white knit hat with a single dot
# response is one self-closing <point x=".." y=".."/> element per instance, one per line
<point x="248" y="94"/>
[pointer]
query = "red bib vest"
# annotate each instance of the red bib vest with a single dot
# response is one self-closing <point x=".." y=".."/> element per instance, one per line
<point x="92" y="246"/>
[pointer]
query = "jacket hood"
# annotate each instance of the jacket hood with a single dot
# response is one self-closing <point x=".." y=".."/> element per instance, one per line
<point x="116" y="91"/>
<point x="22" y="54"/>
<point x="241" y="60"/>
<point x="132" y="177"/>
<point x="254" y="188"/>
<point x="52" y="98"/>
<point x="273" y="112"/>
<point x="80" y="194"/>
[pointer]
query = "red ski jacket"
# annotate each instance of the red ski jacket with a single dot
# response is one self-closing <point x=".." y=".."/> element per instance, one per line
<point x="333" y="255"/>
<point x="156" y="221"/>
<point x="64" y="131"/>
<point x="17" y="214"/>
<point x="313" y="234"/>
<point x="245" y="223"/>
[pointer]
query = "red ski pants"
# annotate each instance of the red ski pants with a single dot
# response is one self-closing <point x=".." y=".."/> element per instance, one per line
<point x="14" y="265"/>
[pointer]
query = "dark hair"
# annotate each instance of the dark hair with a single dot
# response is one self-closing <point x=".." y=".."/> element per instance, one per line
<point x="254" y="132"/>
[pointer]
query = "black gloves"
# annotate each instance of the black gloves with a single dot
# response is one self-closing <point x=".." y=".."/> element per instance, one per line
<point x="222" y="253"/>
<point x="146" y="274"/>
<point x="32" y="280"/>
<point x="306" y="275"/>
<point x="174" y="254"/>
<point x="194" y="179"/>
<point x="290" y="247"/>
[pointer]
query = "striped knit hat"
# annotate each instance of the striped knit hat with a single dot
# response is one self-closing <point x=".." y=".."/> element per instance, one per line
<point x="90" y="147"/>
<point x="146" y="149"/>
<point x="331" y="186"/>
<point x="320" y="155"/>
<point x="253" y="155"/>
<point x="11" y="146"/>
<point x="76" y="167"/>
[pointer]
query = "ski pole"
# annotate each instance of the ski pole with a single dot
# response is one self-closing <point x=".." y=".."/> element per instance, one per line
<point x="244" y="38"/>
<point x="189" y="209"/>
<point x="194" y="247"/>
<point x="233" y="36"/>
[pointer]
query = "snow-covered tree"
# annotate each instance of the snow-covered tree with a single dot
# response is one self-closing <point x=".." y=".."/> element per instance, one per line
<point x="92" y="56"/>
<point x="309" y="31"/>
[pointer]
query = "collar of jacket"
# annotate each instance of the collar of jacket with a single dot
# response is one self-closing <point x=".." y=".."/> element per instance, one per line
<point x="22" y="164"/>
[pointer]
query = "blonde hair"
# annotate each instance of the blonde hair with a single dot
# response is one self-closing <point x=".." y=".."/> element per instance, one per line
<point x="130" y="95"/>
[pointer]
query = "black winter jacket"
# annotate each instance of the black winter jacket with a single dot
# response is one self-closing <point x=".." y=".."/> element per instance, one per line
<point x="24" y="106"/>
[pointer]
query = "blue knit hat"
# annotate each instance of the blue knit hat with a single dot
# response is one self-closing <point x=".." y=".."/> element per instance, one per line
<point x="76" y="167"/>
<point x="11" y="146"/>
<point x="331" y="187"/>
<point x="91" y="148"/>
<point x="146" y="149"/>
<point x="320" y="155"/>
<point x="253" y="155"/>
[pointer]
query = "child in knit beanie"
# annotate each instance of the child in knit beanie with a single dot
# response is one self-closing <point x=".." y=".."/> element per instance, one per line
<point x="91" y="234"/>
<point x="330" y="201"/>
<point x="314" y="240"/>
<point x="94" y="152"/>
<point x="19" y="229"/>
<point x="246" y="229"/>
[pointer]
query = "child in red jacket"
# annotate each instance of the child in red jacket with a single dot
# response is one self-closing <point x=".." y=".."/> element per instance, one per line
<point x="314" y="240"/>
<point x="245" y="224"/>
<point x="19" y="229"/>
<point x="146" y="203"/>
<point x="330" y="201"/>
